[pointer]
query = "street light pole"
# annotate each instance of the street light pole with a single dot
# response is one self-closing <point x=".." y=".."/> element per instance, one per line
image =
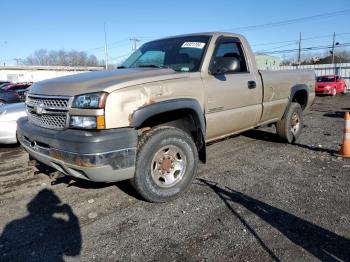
<point x="299" y="51"/>
<point x="333" y="48"/>
<point x="134" y="44"/>
<point x="106" y="49"/>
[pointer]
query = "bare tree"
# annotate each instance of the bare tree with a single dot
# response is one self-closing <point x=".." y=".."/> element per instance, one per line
<point x="344" y="54"/>
<point x="61" y="58"/>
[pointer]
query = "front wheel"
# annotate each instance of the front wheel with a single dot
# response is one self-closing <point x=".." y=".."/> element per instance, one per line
<point x="334" y="92"/>
<point x="2" y="103"/>
<point x="166" y="164"/>
<point x="290" y="126"/>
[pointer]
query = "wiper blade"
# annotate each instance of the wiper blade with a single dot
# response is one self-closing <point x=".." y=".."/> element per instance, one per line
<point x="154" y="66"/>
<point x="121" y="67"/>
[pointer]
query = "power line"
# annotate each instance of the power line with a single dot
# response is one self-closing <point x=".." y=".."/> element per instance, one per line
<point x="109" y="45"/>
<point x="290" y="21"/>
<point x="307" y="49"/>
<point x="304" y="39"/>
<point x="294" y="42"/>
<point x="253" y="27"/>
<point x="274" y="48"/>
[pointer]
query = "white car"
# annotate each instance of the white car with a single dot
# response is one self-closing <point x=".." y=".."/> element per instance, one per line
<point x="9" y="114"/>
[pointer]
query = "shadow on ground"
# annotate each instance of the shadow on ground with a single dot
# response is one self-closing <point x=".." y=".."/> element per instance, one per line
<point x="124" y="186"/>
<point x="272" y="137"/>
<point x="4" y="146"/>
<point x="263" y="136"/>
<point x="49" y="232"/>
<point x="337" y="114"/>
<point x="322" y="243"/>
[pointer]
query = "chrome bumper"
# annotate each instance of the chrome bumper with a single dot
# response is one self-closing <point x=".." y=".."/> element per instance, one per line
<point x="109" y="166"/>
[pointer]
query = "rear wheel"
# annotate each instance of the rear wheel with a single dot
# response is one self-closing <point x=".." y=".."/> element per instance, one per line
<point x="344" y="91"/>
<point x="290" y="126"/>
<point x="166" y="164"/>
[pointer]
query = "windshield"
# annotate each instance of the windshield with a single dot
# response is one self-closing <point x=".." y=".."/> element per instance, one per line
<point x="184" y="54"/>
<point x="325" y="79"/>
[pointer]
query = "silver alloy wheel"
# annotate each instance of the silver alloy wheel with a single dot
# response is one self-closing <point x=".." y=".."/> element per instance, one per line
<point x="295" y="123"/>
<point x="168" y="166"/>
<point x="2" y="103"/>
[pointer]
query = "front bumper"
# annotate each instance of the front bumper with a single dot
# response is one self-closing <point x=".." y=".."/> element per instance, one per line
<point x="100" y="156"/>
<point x="321" y="91"/>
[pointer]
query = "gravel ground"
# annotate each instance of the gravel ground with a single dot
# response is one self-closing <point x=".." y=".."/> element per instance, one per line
<point x="256" y="199"/>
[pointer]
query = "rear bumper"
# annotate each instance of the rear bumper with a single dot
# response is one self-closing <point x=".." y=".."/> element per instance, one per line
<point x="103" y="156"/>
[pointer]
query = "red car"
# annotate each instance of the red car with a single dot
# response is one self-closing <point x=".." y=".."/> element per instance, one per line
<point x="330" y="85"/>
<point x="11" y="93"/>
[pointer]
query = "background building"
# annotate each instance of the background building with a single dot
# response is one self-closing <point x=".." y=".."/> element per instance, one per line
<point x="38" y="73"/>
<point x="267" y="62"/>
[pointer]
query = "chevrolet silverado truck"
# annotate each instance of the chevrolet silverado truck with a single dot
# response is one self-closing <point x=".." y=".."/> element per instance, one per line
<point x="150" y="119"/>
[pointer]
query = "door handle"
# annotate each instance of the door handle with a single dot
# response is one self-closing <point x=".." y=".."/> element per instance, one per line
<point x="251" y="84"/>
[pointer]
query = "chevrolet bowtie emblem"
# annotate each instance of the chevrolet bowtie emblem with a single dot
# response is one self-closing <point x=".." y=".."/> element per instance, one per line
<point x="39" y="109"/>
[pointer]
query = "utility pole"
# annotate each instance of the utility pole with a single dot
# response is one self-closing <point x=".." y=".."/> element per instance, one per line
<point x="333" y="47"/>
<point x="106" y="49"/>
<point x="17" y="60"/>
<point x="134" y="43"/>
<point x="299" y="51"/>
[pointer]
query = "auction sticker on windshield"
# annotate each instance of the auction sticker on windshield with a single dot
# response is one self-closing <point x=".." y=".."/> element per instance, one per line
<point x="193" y="45"/>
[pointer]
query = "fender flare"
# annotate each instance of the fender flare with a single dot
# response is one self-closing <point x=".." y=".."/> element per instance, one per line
<point x="297" y="88"/>
<point x="293" y="91"/>
<point x="145" y="112"/>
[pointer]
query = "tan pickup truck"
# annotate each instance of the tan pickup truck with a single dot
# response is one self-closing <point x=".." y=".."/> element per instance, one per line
<point x="150" y="119"/>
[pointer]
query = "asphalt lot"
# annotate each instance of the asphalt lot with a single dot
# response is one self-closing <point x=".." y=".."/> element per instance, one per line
<point x="256" y="199"/>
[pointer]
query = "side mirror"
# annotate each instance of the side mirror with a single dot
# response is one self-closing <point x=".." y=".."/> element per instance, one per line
<point x="222" y="65"/>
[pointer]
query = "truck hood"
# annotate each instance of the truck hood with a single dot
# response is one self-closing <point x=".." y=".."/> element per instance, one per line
<point x="107" y="81"/>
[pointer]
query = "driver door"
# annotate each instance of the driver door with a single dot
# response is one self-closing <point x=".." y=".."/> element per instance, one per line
<point x="234" y="98"/>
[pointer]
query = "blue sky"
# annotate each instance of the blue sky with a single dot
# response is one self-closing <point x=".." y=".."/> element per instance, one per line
<point x="30" y="25"/>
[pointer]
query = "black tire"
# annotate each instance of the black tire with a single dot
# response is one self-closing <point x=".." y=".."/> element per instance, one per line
<point x="287" y="127"/>
<point x="153" y="146"/>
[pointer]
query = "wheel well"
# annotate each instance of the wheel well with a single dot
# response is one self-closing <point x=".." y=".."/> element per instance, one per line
<point x="300" y="97"/>
<point x="184" y="119"/>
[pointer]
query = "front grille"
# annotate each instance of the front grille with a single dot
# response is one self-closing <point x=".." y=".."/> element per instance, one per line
<point x="49" y="121"/>
<point x="48" y="102"/>
<point x="48" y="111"/>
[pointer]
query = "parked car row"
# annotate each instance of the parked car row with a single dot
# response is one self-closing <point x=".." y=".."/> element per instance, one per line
<point x="12" y="92"/>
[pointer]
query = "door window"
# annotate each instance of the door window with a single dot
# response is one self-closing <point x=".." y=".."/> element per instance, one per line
<point x="231" y="48"/>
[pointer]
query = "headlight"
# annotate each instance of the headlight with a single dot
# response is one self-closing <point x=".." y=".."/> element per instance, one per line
<point x="87" y="122"/>
<point x="90" y="101"/>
